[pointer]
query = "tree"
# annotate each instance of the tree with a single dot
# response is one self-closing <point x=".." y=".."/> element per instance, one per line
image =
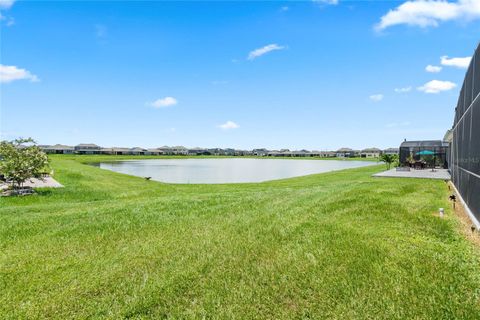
<point x="20" y="160"/>
<point x="388" y="159"/>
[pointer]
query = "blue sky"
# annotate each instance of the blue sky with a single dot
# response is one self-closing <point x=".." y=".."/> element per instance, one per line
<point x="313" y="74"/>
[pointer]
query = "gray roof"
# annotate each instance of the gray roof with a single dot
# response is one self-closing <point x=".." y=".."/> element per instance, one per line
<point x="344" y="150"/>
<point x="81" y="145"/>
<point x="391" y="150"/>
<point x="58" y="147"/>
<point x="371" y="150"/>
<point x="117" y="149"/>
<point x="424" y="143"/>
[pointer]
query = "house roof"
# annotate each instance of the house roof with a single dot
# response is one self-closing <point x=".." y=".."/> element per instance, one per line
<point x="344" y="150"/>
<point x="58" y="147"/>
<point x="424" y="143"/>
<point x="371" y="150"/>
<point x="82" y="145"/>
<point x="137" y="149"/>
<point x="119" y="149"/>
<point x="391" y="150"/>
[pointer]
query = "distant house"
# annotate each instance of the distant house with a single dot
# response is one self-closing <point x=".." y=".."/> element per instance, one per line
<point x="281" y="153"/>
<point x="216" y="151"/>
<point x="301" y="153"/>
<point x="371" y="153"/>
<point x="87" y="148"/>
<point x="121" y="151"/>
<point x="166" y="150"/>
<point x="115" y="151"/>
<point x="260" y="152"/>
<point x="327" y="154"/>
<point x="391" y="151"/>
<point x="58" y="149"/>
<point x="198" y="151"/>
<point x="243" y="153"/>
<point x="345" y="153"/>
<point x="179" y="150"/>
<point x="106" y="150"/>
<point x="274" y="153"/>
<point x="137" y="151"/>
<point x="154" y="152"/>
<point x="322" y="154"/>
<point x="229" y="152"/>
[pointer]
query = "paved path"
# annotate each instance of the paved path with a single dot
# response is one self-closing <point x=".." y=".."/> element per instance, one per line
<point x="47" y="182"/>
<point x="442" y="174"/>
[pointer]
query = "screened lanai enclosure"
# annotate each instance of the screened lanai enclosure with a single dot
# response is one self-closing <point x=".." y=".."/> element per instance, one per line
<point x="433" y="151"/>
<point x="465" y="145"/>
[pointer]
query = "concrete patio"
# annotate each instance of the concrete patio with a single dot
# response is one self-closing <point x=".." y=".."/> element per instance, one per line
<point x="441" y="174"/>
<point x="47" y="182"/>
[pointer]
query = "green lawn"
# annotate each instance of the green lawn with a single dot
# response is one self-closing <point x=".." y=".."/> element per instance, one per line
<point x="338" y="245"/>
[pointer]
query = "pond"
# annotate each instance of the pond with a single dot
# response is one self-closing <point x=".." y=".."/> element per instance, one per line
<point x="230" y="170"/>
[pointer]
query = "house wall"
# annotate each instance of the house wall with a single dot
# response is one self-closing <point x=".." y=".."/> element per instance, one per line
<point x="370" y="155"/>
<point x="464" y="158"/>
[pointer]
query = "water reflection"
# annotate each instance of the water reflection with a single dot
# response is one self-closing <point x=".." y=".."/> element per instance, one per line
<point x="230" y="170"/>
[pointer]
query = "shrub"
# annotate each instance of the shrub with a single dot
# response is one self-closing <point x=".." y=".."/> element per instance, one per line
<point x="21" y="159"/>
<point x="388" y="159"/>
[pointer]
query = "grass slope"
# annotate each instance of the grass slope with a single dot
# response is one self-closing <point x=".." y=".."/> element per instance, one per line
<point x="337" y="245"/>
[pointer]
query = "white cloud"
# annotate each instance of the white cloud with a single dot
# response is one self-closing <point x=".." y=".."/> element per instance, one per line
<point x="433" y="69"/>
<point x="284" y="8"/>
<point x="9" y="21"/>
<point x="376" y="97"/>
<point x="12" y="73"/>
<point x="164" y="102"/>
<point x="436" y="86"/>
<point x="6" y="4"/>
<point x="429" y="13"/>
<point x="261" y="51"/>
<point x="455" y="62"/>
<point x="332" y="2"/>
<point x="403" y="90"/>
<point x="229" y="125"/>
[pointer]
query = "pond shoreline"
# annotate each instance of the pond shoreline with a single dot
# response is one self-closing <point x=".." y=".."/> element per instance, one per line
<point x="226" y="170"/>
